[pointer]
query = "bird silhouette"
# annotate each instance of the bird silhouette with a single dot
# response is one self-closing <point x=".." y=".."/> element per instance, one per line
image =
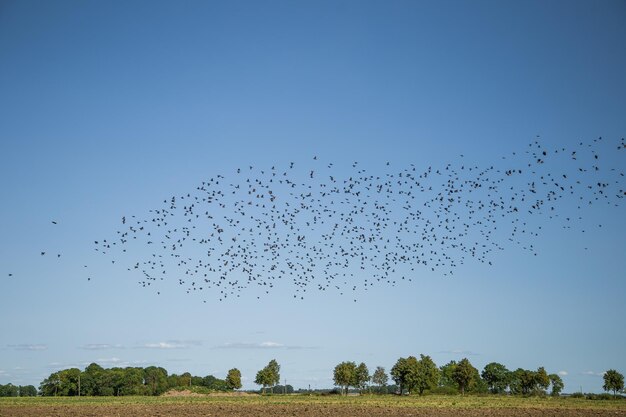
<point x="348" y="227"/>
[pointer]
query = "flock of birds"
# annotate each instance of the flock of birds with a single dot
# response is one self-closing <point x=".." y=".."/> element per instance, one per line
<point x="330" y="228"/>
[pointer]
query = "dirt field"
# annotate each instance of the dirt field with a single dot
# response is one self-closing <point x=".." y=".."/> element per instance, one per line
<point x="290" y="410"/>
<point x="304" y="407"/>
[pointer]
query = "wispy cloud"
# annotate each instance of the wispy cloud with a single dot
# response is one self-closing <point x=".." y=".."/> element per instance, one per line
<point x="113" y="360"/>
<point x="562" y="373"/>
<point x="100" y="346"/>
<point x="28" y="347"/>
<point x="172" y="344"/>
<point x="593" y="373"/>
<point x="261" y="345"/>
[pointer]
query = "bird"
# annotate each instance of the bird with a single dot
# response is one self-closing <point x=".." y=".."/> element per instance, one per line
<point x="251" y="230"/>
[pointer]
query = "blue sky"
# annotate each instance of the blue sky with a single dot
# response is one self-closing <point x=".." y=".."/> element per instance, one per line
<point x="107" y="108"/>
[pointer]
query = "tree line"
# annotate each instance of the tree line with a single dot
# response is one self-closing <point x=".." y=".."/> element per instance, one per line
<point x="410" y="376"/>
<point x="10" y="390"/>
<point x="413" y="375"/>
<point x="98" y="381"/>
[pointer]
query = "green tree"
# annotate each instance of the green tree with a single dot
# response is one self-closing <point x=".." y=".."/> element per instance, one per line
<point x="557" y="385"/>
<point x="233" y="378"/>
<point x="95" y="380"/>
<point x="464" y="375"/>
<point x="542" y="381"/>
<point x="423" y="374"/>
<point x="497" y="377"/>
<point x="380" y="378"/>
<point x="522" y="382"/>
<point x="274" y="373"/>
<point x="344" y="375"/>
<point x="613" y="381"/>
<point x="50" y="386"/>
<point x="361" y="376"/>
<point x="69" y="380"/>
<point x="155" y="380"/>
<point x="446" y="375"/>
<point x="116" y="378"/>
<point x="268" y="376"/>
<point x="284" y="389"/>
<point x="173" y="381"/>
<point x="28" y="391"/>
<point x="9" y="390"/>
<point x="215" y="384"/>
<point x="401" y="371"/>
<point x="263" y="378"/>
<point x="185" y="380"/>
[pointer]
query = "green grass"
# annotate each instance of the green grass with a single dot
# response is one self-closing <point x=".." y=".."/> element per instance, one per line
<point x="432" y="401"/>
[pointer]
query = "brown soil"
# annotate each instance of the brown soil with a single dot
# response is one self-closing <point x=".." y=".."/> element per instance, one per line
<point x="278" y="410"/>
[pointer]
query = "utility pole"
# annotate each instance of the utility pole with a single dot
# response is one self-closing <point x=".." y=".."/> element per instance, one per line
<point x="79" y="383"/>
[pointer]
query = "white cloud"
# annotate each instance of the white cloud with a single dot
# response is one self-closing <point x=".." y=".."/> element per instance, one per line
<point x="29" y="347"/>
<point x="592" y="373"/>
<point x="261" y="345"/>
<point x="101" y="346"/>
<point x="172" y="344"/>
<point x="271" y="344"/>
<point x="107" y="361"/>
<point x="562" y="373"/>
<point x="247" y="345"/>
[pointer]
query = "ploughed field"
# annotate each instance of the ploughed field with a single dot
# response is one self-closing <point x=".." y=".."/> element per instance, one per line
<point x="307" y="406"/>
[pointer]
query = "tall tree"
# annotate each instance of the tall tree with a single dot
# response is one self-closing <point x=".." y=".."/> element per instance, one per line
<point x="557" y="385"/>
<point x="380" y="377"/>
<point x="542" y="381"/>
<point x="155" y="380"/>
<point x="361" y="376"/>
<point x="464" y="375"/>
<point x="132" y="382"/>
<point x="69" y="382"/>
<point x="184" y="380"/>
<point x="27" y="391"/>
<point x="523" y="381"/>
<point x="613" y="381"/>
<point x="9" y="390"/>
<point x="401" y="371"/>
<point x="423" y="374"/>
<point x="263" y="378"/>
<point x="274" y="372"/>
<point x="268" y="376"/>
<point x="233" y="378"/>
<point x="344" y="375"/>
<point x="94" y="381"/>
<point x="497" y="377"/>
<point x="50" y="386"/>
<point x="446" y="375"/>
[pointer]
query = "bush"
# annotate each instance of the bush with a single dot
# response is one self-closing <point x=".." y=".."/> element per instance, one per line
<point x="444" y="391"/>
<point x="591" y="396"/>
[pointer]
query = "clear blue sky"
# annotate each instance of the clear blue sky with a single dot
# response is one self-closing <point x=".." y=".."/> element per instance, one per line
<point x="107" y="108"/>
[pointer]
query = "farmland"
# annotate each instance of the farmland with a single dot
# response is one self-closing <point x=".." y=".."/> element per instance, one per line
<point x="308" y="406"/>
